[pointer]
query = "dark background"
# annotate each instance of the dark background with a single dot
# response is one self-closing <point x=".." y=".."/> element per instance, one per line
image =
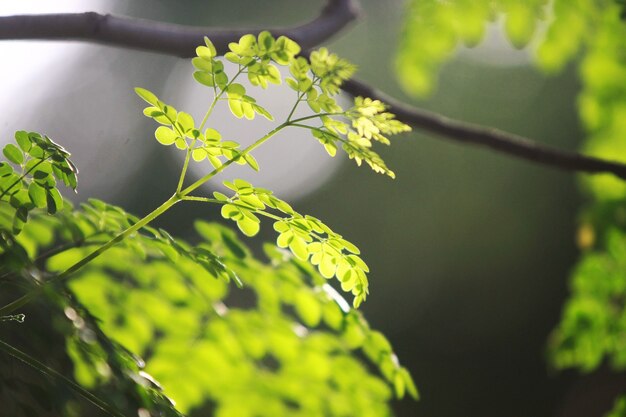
<point x="469" y="250"/>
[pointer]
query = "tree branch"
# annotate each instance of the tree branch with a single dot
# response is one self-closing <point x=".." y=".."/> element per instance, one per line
<point x="178" y="40"/>
<point x="165" y="38"/>
<point x="498" y="140"/>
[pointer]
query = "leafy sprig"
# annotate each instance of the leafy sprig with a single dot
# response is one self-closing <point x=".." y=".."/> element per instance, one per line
<point x="307" y="237"/>
<point x="28" y="179"/>
<point x="352" y="130"/>
<point x="315" y="82"/>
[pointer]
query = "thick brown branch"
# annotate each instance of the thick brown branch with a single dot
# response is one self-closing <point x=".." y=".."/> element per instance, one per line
<point x="178" y="40"/>
<point x="165" y="38"/>
<point x="514" y="145"/>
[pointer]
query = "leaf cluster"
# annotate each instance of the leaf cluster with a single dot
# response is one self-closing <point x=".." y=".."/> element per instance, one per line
<point x="28" y="178"/>
<point x="179" y="128"/>
<point x="255" y="56"/>
<point x="353" y="130"/>
<point x="307" y="237"/>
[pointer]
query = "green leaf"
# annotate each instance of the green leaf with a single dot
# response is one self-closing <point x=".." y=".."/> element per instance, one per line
<point x="250" y="160"/>
<point x="165" y="135"/>
<point x="204" y="52"/>
<point x="54" y="200"/>
<point x="230" y="211"/>
<point x="331" y="69"/>
<point x="36" y="152"/>
<point x="265" y="41"/>
<point x="245" y="47"/>
<point x="10" y="184"/>
<point x="37" y="194"/>
<point x="293" y="84"/>
<point x="22" y="139"/>
<point x="148" y="96"/>
<point x="299" y="248"/>
<point x="210" y="46"/>
<point x="233" y="57"/>
<point x="410" y="385"/>
<point x="19" y="219"/>
<point x="13" y="154"/>
<point x="5" y="169"/>
<point x="212" y="134"/>
<point x="353" y="333"/>
<point x="221" y="79"/>
<point x="327" y="266"/>
<point x="238" y="102"/>
<point x="203" y="64"/>
<point x="399" y="385"/>
<point x="248" y="227"/>
<point x="284" y="239"/>
<point x="198" y="154"/>
<point x="262" y="111"/>
<point x="236" y="108"/>
<point x="204" y="78"/>
<point x="185" y="121"/>
<point x="20" y="199"/>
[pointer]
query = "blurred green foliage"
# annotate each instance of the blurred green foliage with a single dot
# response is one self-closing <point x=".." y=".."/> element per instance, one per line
<point x="294" y="349"/>
<point x="594" y="320"/>
<point x="433" y="29"/>
<point x="593" y="34"/>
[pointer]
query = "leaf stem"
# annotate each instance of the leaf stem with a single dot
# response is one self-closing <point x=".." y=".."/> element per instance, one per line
<point x="215" y="201"/>
<point x="246" y="151"/>
<point x="75" y="267"/>
<point x="313" y="116"/>
<point x="295" y="106"/>
<point x="22" y="177"/>
<point x="183" y="172"/>
<point x="46" y="370"/>
<point x="317" y="129"/>
<point x="208" y="113"/>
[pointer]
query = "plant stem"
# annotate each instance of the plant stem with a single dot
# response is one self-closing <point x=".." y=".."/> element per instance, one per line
<point x="183" y="172"/>
<point x="46" y="370"/>
<point x="295" y="106"/>
<point x="313" y="116"/>
<point x="69" y="271"/>
<point x="214" y="201"/>
<point x="70" y="245"/>
<point x="216" y="98"/>
<point x="216" y="171"/>
<point x="317" y="129"/>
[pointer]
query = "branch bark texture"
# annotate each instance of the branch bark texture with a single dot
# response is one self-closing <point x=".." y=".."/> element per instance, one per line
<point x="181" y="41"/>
<point x="165" y="38"/>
